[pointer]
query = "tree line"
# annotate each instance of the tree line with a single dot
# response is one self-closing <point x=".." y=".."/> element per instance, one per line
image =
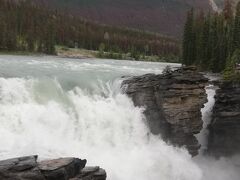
<point x="212" y="41"/>
<point x="29" y="26"/>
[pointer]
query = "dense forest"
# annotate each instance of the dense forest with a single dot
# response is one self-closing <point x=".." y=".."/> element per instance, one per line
<point x="212" y="41"/>
<point x="27" y="26"/>
<point x="162" y="16"/>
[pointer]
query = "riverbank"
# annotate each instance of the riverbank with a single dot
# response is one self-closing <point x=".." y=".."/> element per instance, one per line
<point x="21" y="53"/>
<point x="77" y="53"/>
<point x="84" y="54"/>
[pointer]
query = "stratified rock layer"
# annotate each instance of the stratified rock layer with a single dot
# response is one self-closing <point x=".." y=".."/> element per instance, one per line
<point x="27" y="168"/>
<point x="172" y="102"/>
<point x="224" y="130"/>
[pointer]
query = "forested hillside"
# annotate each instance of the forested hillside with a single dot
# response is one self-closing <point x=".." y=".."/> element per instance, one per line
<point x="162" y="16"/>
<point x="212" y="41"/>
<point x="30" y="26"/>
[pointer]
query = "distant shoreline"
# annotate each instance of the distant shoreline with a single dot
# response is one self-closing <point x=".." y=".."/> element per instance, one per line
<point x="76" y="53"/>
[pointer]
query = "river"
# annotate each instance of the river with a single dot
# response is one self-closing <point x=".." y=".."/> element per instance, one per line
<point x="57" y="107"/>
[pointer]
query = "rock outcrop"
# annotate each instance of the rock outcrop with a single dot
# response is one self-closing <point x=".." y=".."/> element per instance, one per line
<point x="27" y="168"/>
<point x="224" y="130"/>
<point x="172" y="102"/>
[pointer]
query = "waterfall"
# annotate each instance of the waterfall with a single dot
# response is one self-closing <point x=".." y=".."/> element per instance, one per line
<point x="206" y="117"/>
<point x="57" y="107"/>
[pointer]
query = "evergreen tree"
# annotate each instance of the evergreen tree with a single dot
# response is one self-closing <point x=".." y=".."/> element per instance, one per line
<point x="198" y="28"/>
<point x="49" y="43"/>
<point x="236" y="29"/>
<point x="189" y="40"/>
<point x="221" y="45"/>
<point x="209" y="41"/>
<point x="228" y="28"/>
<point x="214" y="43"/>
<point x="205" y="44"/>
<point x="2" y="34"/>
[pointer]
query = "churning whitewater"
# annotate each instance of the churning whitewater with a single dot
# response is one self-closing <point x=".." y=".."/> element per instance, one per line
<point x="57" y="107"/>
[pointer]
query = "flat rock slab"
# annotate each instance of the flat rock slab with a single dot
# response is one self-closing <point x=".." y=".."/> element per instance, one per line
<point x="19" y="164"/>
<point x="93" y="172"/>
<point x="51" y="165"/>
<point x="23" y="168"/>
<point x="61" y="169"/>
<point x="27" y="168"/>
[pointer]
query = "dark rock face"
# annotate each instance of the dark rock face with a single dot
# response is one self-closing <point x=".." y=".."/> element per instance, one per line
<point x="20" y="169"/>
<point x="173" y="103"/>
<point x="27" y="168"/>
<point x="224" y="130"/>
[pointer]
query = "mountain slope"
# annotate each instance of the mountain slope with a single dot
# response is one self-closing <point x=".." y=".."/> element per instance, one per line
<point x="163" y="16"/>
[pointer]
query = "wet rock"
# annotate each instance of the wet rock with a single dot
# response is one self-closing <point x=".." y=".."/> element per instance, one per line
<point x="23" y="168"/>
<point x="224" y="130"/>
<point x="61" y="169"/>
<point x="89" y="173"/>
<point x="27" y="168"/>
<point x="172" y="102"/>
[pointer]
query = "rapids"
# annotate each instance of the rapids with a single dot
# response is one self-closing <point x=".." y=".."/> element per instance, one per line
<point x="57" y="107"/>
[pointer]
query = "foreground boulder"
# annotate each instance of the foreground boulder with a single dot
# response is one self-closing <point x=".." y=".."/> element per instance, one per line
<point x="27" y="168"/>
<point x="172" y="102"/>
<point x="224" y="130"/>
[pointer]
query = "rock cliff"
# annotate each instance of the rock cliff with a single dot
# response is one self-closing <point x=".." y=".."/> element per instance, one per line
<point x="27" y="168"/>
<point x="172" y="102"/>
<point x="224" y="130"/>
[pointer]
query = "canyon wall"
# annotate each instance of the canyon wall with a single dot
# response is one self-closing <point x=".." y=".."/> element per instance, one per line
<point x="224" y="130"/>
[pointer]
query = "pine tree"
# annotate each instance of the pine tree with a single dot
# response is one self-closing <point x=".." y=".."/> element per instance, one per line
<point x="189" y="40"/>
<point x="50" y="39"/>
<point x="214" y="43"/>
<point x="236" y="29"/>
<point x="221" y="45"/>
<point x="228" y="26"/>
<point x="210" y="41"/>
<point x="206" y="51"/>
<point x="198" y="29"/>
<point x="2" y="34"/>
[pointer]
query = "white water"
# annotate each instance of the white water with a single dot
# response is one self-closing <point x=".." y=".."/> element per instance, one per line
<point x="206" y="113"/>
<point x="61" y="107"/>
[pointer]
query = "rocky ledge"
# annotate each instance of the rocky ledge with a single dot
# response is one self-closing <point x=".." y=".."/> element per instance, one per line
<point x="172" y="102"/>
<point x="224" y="130"/>
<point x="27" y="168"/>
